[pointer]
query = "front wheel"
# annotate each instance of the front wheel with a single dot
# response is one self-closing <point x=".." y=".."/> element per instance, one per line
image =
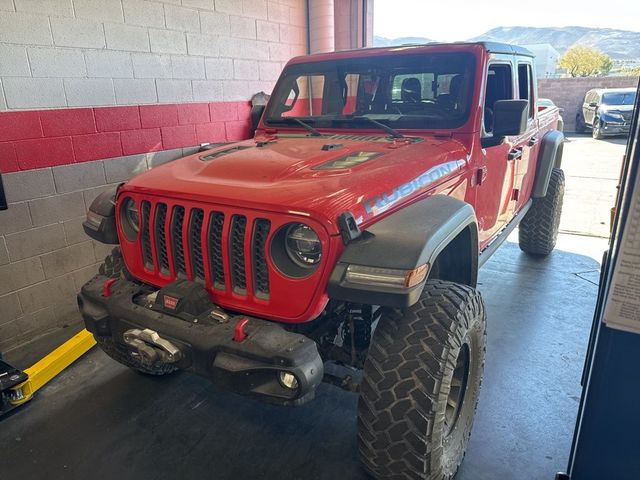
<point x="421" y="384"/>
<point x="596" y="131"/>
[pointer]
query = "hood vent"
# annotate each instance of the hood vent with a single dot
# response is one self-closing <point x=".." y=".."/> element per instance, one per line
<point x="365" y="138"/>
<point x="348" y="161"/>
<point x="221" y="153"/>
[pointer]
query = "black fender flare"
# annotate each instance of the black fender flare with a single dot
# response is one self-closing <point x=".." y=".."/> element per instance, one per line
<point x="549" y="157"/>
<point x="101" y="218"/>
<point x="404" y="240"/>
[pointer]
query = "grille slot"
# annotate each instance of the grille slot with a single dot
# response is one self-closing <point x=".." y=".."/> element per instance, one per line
<point x="195" y="243"/>
<point x="161" y="239"/>
<point x="145" y="237"/>
<point x="216" y="267"/>
<point x="260" y="269"/>
<point x="224" y="250"/>
<point x="177" y="222"/>
<point x="236" y="253"/>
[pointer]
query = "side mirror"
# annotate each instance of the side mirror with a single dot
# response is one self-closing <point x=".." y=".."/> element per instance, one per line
<point x="510" y="117"/>
<point x="256" y="114"/>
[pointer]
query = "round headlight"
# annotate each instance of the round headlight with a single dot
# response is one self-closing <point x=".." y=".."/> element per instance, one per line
<point x="129" y="219"/>
<point x="303" y="245"/>
<point x="131" y="214"/>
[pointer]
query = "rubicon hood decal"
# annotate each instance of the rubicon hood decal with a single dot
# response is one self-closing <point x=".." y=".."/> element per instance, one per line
<point x="380" y="203"/>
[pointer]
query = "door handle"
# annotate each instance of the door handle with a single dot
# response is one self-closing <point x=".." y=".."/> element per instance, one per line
<point x="515" y="154"/>
<point x="533" y="141"/>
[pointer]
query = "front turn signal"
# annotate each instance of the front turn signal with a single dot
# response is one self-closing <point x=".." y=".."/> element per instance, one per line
<point x="386" y="277"/>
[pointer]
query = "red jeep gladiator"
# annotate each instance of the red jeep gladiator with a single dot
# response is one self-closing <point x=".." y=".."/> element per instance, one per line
<point x="349" y="231"/>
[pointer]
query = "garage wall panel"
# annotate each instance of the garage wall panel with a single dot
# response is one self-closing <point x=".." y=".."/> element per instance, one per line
<point x="93" y="92"/>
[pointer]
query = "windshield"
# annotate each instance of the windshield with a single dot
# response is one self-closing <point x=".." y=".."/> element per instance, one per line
<point x="428" y="91"/>
<point x="619" y="98"/>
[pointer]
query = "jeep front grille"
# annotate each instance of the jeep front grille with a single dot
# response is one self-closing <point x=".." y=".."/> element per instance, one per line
<point x="206" y="245"/>
<point x="145" y="239"/>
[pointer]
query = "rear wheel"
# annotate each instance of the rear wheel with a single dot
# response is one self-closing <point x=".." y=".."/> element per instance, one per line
<point x="421" y="384"/>
<point x="538" y="231"/>
<point x="580" y="126"/>
<point x="596" y="131"/>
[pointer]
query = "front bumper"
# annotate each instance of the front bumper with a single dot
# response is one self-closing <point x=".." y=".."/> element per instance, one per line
<point x="611" y="128"/>
<point x="206" y="343"/>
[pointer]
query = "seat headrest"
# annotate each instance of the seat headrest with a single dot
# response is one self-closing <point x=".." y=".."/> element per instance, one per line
<point x="455" y="85"/>
<point x="411" y="90"/>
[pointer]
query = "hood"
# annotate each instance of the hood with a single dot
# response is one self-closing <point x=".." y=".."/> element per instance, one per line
<point x="317" y="176"/>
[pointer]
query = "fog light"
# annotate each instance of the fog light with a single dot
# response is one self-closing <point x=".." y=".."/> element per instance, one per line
<point x="288" y="380"/>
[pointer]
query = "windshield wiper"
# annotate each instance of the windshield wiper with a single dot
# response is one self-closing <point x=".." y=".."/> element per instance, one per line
<point x="312" y="131"/>
<point x="394" y="133"/>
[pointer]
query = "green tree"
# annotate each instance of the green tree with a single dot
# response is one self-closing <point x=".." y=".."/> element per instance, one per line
<point x="583" y="61"/>
<point x="631" y="71"/>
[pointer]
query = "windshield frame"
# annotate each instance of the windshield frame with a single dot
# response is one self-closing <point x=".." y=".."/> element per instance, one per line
<point x="468" y="60"/>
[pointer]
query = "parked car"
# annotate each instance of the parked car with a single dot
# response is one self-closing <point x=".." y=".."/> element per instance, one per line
<point x="544" y="103"/>
<point x="349" y="231"/>
<point x="606" y="112"/>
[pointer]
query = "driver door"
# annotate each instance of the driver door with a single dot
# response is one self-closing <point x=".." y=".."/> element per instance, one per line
<point x="495" y="171"/>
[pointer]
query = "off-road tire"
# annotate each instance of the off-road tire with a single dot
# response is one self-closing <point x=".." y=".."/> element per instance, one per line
<point x="123" y="355"/>
<point x="538" y="231"/>
<point x="580" y="126"/>
<point x="113" y="266"/>
<point x="596" y="130"/>
<point x="407" y="380"/>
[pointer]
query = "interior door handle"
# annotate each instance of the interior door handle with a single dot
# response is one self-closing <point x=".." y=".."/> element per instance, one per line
<point x="515" y="154"/>
<point x="533" y="141"/>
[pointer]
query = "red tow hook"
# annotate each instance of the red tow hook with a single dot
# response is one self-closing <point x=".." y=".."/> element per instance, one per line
<point x="239" y="335"/>
<point x="106" y="287"/>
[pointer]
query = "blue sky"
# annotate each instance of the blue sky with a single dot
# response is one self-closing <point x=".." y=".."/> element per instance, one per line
<point x="461" y="19"/>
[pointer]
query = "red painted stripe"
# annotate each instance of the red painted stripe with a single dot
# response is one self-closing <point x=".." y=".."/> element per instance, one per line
<point x="193" y="113"/>
<point x="97" y="146"/>
<point x="158" y="115"/>
<point x="45" y="138"/>
<point x="19" y="126"/>
<point x="115" y="119"/>
<point x="74" y="121"/>
<point x="141" y="141"/>
<point x="44" y="152"/>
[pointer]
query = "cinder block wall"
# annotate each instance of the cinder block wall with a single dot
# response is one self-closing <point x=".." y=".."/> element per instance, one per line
<point x="95" y="91"/>
<point x="568" y="93"/>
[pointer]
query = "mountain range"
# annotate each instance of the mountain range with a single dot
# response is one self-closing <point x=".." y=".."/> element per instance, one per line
<point x="618" y="44"/>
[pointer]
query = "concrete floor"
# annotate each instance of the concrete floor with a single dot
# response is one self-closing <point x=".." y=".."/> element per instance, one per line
<point x="100" y="420"/>
<point x="592" y="171"/>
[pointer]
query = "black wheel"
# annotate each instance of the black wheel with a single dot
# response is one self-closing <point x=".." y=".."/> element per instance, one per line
<point x="123" y="355"/>
<point x="538" y="230"/>
<point x="113" y="266"/>
<point x="580" y="126"/>
<point x="421" y="384"/>
<point x="596" y="131"/>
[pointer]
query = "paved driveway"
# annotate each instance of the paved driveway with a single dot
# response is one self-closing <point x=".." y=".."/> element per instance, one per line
<point x="592" y="169"/>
